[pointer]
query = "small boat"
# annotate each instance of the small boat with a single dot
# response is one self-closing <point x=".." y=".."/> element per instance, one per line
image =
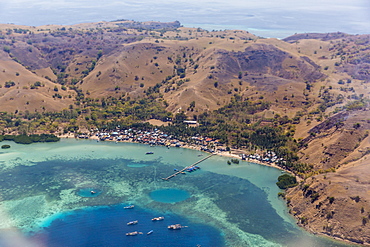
<point x="150" y="232"/>
<point x="128" y="207"/>
<point x="92" y="192"/>
<point x="175" y="227"/>
<point x="149" y="153"/>
<point x="133" y="233"/>
<point x="158" y="218"/>
<point x="132" y="222"/>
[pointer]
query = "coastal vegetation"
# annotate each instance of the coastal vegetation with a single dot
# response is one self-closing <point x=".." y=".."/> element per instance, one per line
<point x="234" y="125"/>
<point x="235" y="161"/>
<point x="28" y="139"/>
<point x="286" y="181"/>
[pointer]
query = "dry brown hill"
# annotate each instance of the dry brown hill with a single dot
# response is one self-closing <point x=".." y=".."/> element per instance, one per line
<point x="113" y="58"/>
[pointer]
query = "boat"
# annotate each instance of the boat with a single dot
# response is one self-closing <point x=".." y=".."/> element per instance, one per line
<point x="92" y="192"/>
<point x="158" y="218"/>
<point x="128" y="207"/>
<point x="175" y="227"/>
<point x="191" y="169"/>
<point x="149" y="153"/>
<point x="150" y="232"/>
<point x="132" y="222"/>
<point x="133" y="233"/>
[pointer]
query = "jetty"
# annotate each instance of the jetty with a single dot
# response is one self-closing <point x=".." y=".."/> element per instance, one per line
<point x="188" y="167"/>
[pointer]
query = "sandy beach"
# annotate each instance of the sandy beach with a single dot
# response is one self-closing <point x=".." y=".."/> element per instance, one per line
<point x="233" y="153"/>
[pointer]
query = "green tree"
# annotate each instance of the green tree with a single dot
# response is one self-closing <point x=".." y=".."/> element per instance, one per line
<point x="286" y="181"/>
<point x="9" y="84"/>
<point x="6" y="49"/>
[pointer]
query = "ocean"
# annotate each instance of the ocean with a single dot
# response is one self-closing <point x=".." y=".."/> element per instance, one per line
<point x="266" y="18"/>
<point x="46" y="198"/>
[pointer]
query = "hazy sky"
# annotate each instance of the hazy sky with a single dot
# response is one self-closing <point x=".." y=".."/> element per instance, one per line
<point x="269" y="18"/>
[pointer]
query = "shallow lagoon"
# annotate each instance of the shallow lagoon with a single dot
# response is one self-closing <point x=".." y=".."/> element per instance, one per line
<point x="45" y="190"/>
<point x="169" y="195"/>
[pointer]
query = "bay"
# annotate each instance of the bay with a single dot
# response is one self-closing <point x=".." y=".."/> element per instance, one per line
<point x="45" y="198"/>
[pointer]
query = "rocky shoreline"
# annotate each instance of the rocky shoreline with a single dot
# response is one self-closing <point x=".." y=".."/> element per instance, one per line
<point x="334" y="204"/>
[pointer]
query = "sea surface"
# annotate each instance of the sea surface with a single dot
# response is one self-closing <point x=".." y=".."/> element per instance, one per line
<point x="266" y="18"/>
<point x="46" y="198"/>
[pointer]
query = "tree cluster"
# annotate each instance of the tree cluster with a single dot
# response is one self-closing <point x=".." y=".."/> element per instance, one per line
<point x="28" y="139"/>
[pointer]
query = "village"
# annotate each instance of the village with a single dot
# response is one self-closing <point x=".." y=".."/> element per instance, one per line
<point x="156" y="137"/>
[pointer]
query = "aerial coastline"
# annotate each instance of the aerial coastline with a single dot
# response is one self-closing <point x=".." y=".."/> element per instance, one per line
<point x="203" y="145"/>
<point x="303" y="111"/>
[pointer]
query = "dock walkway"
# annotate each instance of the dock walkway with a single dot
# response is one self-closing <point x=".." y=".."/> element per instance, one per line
<point x="191" y="166"/>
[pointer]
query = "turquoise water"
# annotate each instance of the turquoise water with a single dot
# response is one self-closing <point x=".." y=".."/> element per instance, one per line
<point x="46" y="197"/>
<point x="89" y="192"/>
<point x="169" y="195"/>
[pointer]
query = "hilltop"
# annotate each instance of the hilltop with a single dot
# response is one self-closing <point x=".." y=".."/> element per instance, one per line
<point x="307" y="94"/>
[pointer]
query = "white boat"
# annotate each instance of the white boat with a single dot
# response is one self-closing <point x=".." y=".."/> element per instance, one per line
<point x="175" y="227"/>
<point x="158" y="218"/>
<point x="132" y="222"/>
<point x="133" y="233"/>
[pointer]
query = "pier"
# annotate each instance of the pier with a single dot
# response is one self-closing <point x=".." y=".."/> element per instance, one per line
<point x="191" y="166"/>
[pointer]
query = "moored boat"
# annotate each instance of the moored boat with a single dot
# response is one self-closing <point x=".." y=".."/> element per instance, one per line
<point x="158" y="218"/>
<point x="149" y="153"/>
<point x="132" y="222"/>
<point x="175" y="227"/>
<point x="128" y="207"/>
<point x="133" y="233"/>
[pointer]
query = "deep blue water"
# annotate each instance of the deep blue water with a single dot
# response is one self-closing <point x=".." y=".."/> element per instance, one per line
<point x="107" y="226"/>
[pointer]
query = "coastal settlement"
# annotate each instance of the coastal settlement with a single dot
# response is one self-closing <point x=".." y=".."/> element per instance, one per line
<point x="156" y="137"/>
